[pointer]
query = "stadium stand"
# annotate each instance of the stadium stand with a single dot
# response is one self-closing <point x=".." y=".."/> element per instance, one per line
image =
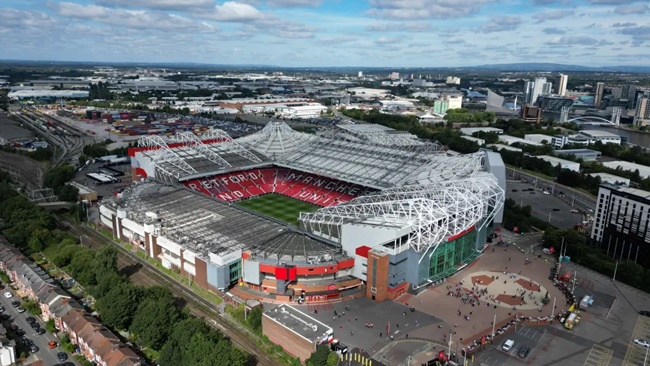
<point x="311" y="188"/>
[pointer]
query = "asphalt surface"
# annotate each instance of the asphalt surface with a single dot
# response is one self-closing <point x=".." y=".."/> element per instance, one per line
<point x="546" y="207"/>
<point x="45" y="354"/>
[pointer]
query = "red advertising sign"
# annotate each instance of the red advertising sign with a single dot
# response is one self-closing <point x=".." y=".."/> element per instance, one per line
<point x="331" y="287"/>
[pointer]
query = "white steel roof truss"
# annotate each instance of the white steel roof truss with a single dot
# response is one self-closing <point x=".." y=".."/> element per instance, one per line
<point x="192" y="142"/>
<point x="163" y="154"/>
<point x="229" y="144"/>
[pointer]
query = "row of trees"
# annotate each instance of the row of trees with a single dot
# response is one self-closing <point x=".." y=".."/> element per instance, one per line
<point x="58" y="178"/>
<point x="582" y="252"/>
<point x="463" y="115"/>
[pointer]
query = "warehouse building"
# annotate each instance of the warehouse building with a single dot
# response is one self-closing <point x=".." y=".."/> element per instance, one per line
<point x="584" y="154"/>
<point x="612" y="179"/>
<point x="564" y="164"/>
<point x="644" y="171"/>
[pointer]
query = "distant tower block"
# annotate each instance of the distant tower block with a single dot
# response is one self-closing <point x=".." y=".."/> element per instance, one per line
<point x="564" y="114"/>
<point x="360" y="74"/>
<point x="616" y="116"/>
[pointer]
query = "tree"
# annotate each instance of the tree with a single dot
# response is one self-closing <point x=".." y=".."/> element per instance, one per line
<point x="68" y="193"/>
<point x="105" y="282"/>
<point x="153" y="321"/>
<point x="118" y="306"/>
<point x="106" y="260"/>
<point x="319" y="357"/>
<point x="254" y="319"/>
<point x="82" y="266"/>
<point x="35" y="245"/>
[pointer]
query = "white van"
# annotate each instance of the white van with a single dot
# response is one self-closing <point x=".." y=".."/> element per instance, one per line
<point x="508" y="345"/>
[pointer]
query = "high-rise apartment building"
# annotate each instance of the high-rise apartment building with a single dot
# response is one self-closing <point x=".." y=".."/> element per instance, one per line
<point x="642" y="112"/>
<point x="528" y="91"/>
<point x="622" y="223"/>
<point x="598" y="98"/>
<point x="538" y="89"/>
<point x="560" y="88"/>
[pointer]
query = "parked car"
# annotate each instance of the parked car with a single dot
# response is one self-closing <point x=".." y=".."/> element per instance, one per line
<point x="40" y="331"/>
<point x="523" y="351"/>
<point x="5" y="316"/>
<point x="20" y="310"/>
<point x="15" y="303"/>
<point x="546" y="192"/>
<point x="35" y="325"/>
<point x="52" y="345"/>
<point x="28" y="342"/>
<point x="33" y="348"/>
<point x="507" y="346"/>
<point x="19" y="332"/>
<point x="556" y="209"/>
<point x="30" y="320"/>
<point x="62" y="356"/>
<point x="8" y="295"/>
<point x="642" y="342"/>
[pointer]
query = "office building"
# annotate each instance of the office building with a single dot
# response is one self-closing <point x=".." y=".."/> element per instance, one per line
<point x="528" y="91"/>
<point x="584" y="154"/>
<point x="554" y="103"/>
<point x="539" y="87"/>
<point x="530" y="113"/>
<point x="621" y="223"/>
<point x="455" y="80"/>
<point x="360" y="74"/>
<point x="602" y="136"/>
<point x="538" y="137"/>
<point x="393" y="75"/>
<point x="642" y="112"/>
<point x="598" y="97"/>
<point x="560" y="88"/>
<point x="440" y="106"/>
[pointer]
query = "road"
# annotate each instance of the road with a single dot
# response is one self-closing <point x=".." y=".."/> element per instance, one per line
<point x="143" y="273"/>
<point x="45" y="354"/>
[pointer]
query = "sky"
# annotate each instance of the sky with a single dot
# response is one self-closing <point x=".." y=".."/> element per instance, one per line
<point x="323" y="33"/>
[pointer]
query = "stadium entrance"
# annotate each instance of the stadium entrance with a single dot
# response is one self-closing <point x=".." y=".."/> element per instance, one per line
<point x="452" y="254"/>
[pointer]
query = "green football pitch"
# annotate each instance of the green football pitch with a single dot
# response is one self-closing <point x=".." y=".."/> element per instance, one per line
<point x="280" y="207"/>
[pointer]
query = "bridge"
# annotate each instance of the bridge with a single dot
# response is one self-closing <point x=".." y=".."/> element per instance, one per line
<point x="56" y="205"/>
<point x="593" y="120"/>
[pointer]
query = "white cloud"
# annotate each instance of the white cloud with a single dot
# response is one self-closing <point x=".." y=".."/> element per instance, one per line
<point x="136" y="19"/>
<point x="553" y="31"/>
<point x="552" y="15"/>
<point x="399" y="27"/>
<point x="501" y="23"/>
<point x="424" y="9"/>
<point x="231" y="11"/>
<point x="577" y="41"/>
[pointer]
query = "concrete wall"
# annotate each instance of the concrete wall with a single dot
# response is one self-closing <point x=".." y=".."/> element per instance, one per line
<point x="495" y="165"/>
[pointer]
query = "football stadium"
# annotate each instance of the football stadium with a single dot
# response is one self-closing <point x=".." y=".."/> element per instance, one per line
<point x="292" y="216"/>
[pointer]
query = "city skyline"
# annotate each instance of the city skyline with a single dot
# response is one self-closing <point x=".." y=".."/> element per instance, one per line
<point x="374" y="33"/>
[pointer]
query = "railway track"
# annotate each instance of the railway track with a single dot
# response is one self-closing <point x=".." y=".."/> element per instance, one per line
<point x="142" y="273"/>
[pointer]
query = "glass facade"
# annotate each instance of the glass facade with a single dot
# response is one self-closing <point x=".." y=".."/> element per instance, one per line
<point x="450" y="255"/>
<point x="235" y="271"/>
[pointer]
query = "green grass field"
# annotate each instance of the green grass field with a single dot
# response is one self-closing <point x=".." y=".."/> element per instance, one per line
<point x="279" y="207"/>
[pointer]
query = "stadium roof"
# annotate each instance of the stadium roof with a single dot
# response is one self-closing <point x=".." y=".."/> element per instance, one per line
<point x="193" y="156"/>
<point x="204" y="225"/>
<point x="433" y="211"/>
<point x="275" y="140"/>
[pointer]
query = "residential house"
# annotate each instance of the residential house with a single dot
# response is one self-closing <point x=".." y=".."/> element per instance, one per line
<point x="7" y="348"/>
<point x="49" y="297"/>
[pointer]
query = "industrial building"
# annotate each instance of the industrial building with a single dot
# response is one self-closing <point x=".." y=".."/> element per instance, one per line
<point x="563" y="163"/>
<point x="469" y="131"/>
<point x="538" y="138"/>
<point x="602" y="136"/>
<point x="296" y="332"/>
<point x="584" y="154"/>
<point x="396" y="213"/>
<point x="644" y="171"/>
<point x="622" y="223"/>
<point x="517" y="140"/>
<point x="47" y="94"/>
<point x="612" y="179"/>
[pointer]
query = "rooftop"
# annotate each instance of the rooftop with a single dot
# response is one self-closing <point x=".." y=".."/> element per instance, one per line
<point x="205" y="225"/>
<point x="299" y="322"/>
<point x="644" y="171"/>
<point x="554" y="160"/>
<point x="598" y="133"/>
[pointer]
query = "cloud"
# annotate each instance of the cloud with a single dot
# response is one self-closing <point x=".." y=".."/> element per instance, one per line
<point x="564" y="41"/>
<point x="232" y="11"/>
<point x="632" y="9"/>
<point x="135" y="19"/>
<point x="294" y="3"/>
<point x="21" y="19"/>
<point x="158" y="4"/>
<point x="399" y="27"/>
<point x="626" y="24"/>
<point x="424" y="9"/>
<point x="639" y="34"/>
<point x="381" y="41"/>
<point x="501" y="23"/>
<point x="552" y="15"/>
<point x="553" y="31"/>
<point x="609" y="2"/>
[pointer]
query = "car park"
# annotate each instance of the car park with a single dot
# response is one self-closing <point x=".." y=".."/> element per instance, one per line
<point x="8" y="295"/>
<point x="507" y="346"/>
<point x="523" y="351"/>
<point x="642" y="342"/>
